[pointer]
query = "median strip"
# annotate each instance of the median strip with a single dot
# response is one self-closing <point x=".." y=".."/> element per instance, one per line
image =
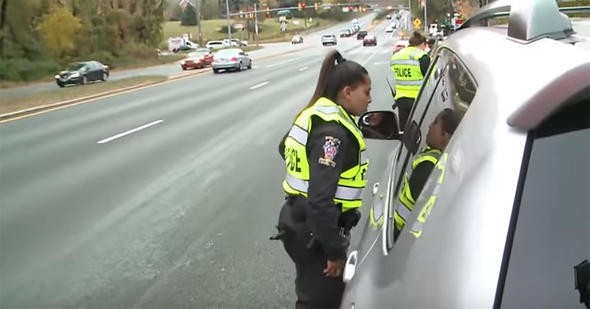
<point x="20" y="106"/>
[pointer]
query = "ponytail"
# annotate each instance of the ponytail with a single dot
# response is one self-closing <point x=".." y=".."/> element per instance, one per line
<point x="335" y="73"/>
<point x="332" y="58"/>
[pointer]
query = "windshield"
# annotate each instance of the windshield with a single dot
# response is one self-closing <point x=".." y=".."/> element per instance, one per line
<point x="75" y="66"/>
<point x="198" y="54"/>
<point x="227" y="52"/>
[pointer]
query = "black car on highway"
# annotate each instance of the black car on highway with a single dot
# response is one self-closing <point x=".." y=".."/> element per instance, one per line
<point x="82" y="73"/>
<point x="361" y="35"/>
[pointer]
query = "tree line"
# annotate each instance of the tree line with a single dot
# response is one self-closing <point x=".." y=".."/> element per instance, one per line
<point x="39" y="36"/>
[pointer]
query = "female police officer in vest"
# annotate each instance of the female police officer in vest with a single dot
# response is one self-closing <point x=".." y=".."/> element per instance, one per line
<point x="325" y="161"/>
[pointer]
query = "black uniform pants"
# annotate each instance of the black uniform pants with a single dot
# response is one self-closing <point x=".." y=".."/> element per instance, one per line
<point x="313" y="288"/>
<point x="404" y="107"/>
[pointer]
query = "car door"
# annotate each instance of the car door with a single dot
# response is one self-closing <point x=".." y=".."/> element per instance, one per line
<point x="93" y="72"/>
<point x="404" y="268"/>
<point x="376" y="241"/>
<point x="548" y="247"/>
<point x="244" y="58"/>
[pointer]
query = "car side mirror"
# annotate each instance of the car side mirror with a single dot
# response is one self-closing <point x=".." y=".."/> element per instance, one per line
<point x="379" y="125"/>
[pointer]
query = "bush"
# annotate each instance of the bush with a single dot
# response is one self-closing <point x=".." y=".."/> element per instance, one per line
<point x="104" y="57"/>
<point x="19" y="69"/>
<point x="382" y="13"/>
<point x="335" y="13"/>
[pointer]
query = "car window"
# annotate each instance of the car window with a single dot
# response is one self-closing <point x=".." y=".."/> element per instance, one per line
<point x="448" y="85"/>
<point x="551" y="226"/>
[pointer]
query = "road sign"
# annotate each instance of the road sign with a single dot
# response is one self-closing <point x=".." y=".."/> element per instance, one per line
<point x="417" y="23"/>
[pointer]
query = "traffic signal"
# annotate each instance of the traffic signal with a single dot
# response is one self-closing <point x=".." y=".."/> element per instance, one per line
<point x="303" y="5"/>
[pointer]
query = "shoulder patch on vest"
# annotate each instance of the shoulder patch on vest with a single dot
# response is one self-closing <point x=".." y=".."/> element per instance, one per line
<point x="330" y="151"/>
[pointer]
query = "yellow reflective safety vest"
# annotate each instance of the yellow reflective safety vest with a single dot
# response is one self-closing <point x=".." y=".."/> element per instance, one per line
<point x="351" y="182"/>
<point x="405" y="66"/>
<point x="403" y="211"/>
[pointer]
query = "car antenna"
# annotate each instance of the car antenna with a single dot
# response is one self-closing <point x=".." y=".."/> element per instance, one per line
<point x="392" y="94"/>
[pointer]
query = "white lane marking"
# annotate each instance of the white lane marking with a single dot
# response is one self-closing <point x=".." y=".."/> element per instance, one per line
<point x="259" y="85"/>
<point x="283" y="62"/>
<point x="368" y="59"/>
<point x="303" y="68"/>
<point x="106" y="140"/>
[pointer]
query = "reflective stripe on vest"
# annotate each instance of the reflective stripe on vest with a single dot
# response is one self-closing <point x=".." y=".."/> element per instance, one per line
<point x="351" y="182"/>
<point x="405" y="65"/>
<point x="403" y="211"/>
<point x="416" y="229"/>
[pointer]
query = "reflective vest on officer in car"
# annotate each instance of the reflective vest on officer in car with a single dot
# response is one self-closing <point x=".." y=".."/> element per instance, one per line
<point x="405" y="66"/>
<point x="405" y="197"/>
<point x="351" y="182"/>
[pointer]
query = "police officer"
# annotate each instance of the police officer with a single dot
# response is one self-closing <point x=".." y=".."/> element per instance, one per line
<point x="409" y="66"/>
<point x="439" y="134"/>
<point x="430" y="46"/>
<point x="325" y="161"/>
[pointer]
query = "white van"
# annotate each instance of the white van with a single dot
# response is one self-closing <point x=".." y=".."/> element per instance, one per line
<point x="433" y="29"/>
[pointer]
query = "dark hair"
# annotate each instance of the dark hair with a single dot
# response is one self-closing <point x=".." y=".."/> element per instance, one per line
<point x="450" y="120"/>
<point x="416" y="39"/>
<point x="431" y="41"/>
<point x="335" y="74"/>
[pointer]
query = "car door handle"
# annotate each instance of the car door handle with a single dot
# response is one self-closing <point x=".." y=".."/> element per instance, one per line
<point x="375" y="188"/>
<point x="350" y="267"/>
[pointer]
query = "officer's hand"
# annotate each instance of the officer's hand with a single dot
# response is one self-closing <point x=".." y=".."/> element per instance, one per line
<point x="334" y="268"/>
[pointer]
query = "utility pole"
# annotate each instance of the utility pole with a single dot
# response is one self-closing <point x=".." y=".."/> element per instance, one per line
<point x="228" y="22"/>
<point x="199" y="23"/>
<point x="304" y="16"/>
<point x="425" y="17"/>
<point x="409" y="21"/>
<point x="255" y="24"/>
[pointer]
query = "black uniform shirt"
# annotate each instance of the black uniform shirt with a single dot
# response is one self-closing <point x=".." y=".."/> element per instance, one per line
<point x="424" y="64"/>
<point x="331" y="149"/>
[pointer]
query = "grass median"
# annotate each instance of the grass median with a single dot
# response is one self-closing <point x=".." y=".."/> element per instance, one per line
<point x="9" y="104"/>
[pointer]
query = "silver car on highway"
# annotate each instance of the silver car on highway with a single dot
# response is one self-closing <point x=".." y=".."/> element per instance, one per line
<point x="503" y="219"/>
<point x="329" y="39"/>
<point x="231" y="59"/>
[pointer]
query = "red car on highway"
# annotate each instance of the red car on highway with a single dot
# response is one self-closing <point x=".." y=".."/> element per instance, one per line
<point x="197" y="59"/>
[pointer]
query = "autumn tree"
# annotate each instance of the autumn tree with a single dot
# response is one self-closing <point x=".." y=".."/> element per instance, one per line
<point x="58" y="31"/>
<point x="467" y="7"/>
<point x="210" y="9"/>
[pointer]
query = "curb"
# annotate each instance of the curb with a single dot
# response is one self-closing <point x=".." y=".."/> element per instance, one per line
<point x="48" y="107"/>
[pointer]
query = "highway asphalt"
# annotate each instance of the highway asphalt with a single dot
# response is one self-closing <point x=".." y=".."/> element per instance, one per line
<point x="163" y="197"/>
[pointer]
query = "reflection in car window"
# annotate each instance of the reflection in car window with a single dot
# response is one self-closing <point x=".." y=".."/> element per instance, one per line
<point x="448" y="86"/>
<point x="75" y="66"/>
